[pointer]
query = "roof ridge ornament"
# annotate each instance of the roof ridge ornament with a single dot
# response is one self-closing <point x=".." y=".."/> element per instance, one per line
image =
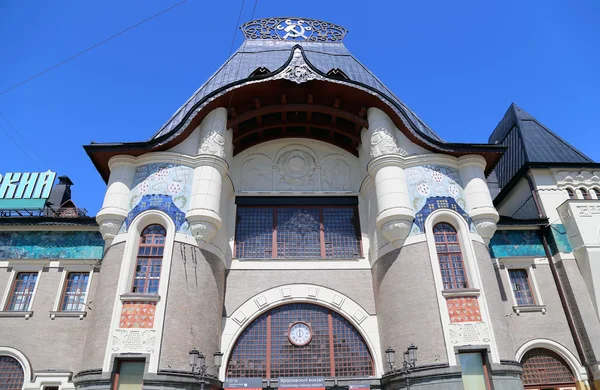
<point x="293" y="29"/>
<point x="298" y="70"/>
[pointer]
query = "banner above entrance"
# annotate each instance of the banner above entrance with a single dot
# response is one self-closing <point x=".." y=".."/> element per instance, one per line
<point x="243" y="383"/>
<point x="25" y="190"/>
<point x="305" y="383"/>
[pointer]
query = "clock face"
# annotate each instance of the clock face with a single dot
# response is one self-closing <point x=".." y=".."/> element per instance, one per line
<point x="300" y="334"/>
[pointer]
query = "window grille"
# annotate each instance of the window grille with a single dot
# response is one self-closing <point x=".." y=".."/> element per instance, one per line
<point x="11" y="374"/>
<point x="519" y="280"/>
<point x="22" y="291"/>
<point x="149" y="260"/>
<point x="75" y="289"/>
<point x="544" y="367"/>
<point x="336" y="348"/>
<point x="571" y="193"/>
<point x="450" y="257"/>
<point x="307" y="232"/>
<point x="584" y="193"/>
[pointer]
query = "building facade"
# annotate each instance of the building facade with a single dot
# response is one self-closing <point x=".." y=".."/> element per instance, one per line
<point x="295" y="219"/>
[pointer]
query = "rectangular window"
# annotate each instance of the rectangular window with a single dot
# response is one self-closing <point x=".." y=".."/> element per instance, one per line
<point x="519" y="281"/>
<point x="22" y="291"/>
<point x="474" y="371"/>
<point x="75" y="288"/>
<point x="306" y="232"/>
<point x="149" y="263"/>
<point x="129" y="375"/>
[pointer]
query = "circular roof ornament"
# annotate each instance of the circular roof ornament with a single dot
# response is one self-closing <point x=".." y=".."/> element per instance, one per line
<point x="293" y="29"/>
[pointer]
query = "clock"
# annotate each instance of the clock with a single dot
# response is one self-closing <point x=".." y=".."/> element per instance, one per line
<point x="300" y="334"/>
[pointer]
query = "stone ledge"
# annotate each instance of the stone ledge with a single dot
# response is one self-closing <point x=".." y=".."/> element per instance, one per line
<point x="462" y="292"/>
<point x="25" y="314"/>
<point x="134" y="297"/>
<point x="80" y="314"/>
<point x="529" y="309"/>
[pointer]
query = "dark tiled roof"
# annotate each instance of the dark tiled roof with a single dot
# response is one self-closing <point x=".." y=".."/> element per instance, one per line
<point x="273" y="55"/>
<point x="530" y="142"/>
<point x="508" y="221"/>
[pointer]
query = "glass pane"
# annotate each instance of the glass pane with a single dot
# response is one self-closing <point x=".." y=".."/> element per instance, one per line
<point x="130" y="375"/>
<point x="298" y="233"/>
<point x="342" y="232"/>
<point x="254" y="233"/>
<point x="473" y="373"/>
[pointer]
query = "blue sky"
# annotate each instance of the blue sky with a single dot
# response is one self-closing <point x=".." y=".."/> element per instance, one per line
<point x="457" y="64"/>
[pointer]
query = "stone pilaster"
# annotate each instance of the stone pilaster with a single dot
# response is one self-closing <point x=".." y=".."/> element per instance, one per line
<point x="115" y="207"/>
<point x="395" y="213"/>
<point x="214" y="150"/>
<point x="481" y="208"/>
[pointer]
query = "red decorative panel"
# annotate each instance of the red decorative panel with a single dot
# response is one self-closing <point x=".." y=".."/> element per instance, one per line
<point x="463" y="309"/>
<point x="137" y="315"/>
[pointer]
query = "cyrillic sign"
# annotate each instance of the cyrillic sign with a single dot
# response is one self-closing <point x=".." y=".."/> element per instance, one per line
<point x="243" y="383"/>
<point x="25" y="190"/>
<point x="305" y="383"/>
<point x="359" y="386"/>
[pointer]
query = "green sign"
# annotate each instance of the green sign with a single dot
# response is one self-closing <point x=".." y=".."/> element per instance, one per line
<point x="25" y="190"/>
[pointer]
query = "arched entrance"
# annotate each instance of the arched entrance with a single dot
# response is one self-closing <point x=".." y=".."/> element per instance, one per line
<point x="544" y="369"/>
<point x="300" y="339"/>
<point x="11" y="373"/>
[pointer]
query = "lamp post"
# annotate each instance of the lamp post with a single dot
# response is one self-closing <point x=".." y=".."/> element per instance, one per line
<point x="199" y="367"/>
<point x="408" y="364"/>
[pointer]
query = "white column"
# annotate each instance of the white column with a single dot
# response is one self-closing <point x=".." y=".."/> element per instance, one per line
<point x="395" y="213"/>
<point x="115" y="207"/>
<point x="214" y="150"/>
<point x="479" y="201"/>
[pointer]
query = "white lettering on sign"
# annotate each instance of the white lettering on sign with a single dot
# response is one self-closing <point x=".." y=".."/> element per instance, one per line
<point x="26" y="185"/>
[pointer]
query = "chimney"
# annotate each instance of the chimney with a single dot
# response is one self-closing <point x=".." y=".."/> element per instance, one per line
<point x="61" y="192"/>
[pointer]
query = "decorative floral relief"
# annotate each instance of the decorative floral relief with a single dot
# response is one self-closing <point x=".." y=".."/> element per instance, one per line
<point x="384" y="142"/>
<point x="336" y="174"/>
<point x="438" y="181"/>
<point x="161" y="186"/>
<point x="296" y="170"/>
<point x="214" y="141"/>
<point x="133" y="340"/>
<point x="469" y="333"/>
<point x="582" y="177"/>
<point x="298" y="70"/>
<point x="257" y="174"/>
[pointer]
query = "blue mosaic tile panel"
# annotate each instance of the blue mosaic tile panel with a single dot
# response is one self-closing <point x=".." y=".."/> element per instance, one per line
<point x="434" y="203"/>
<point x="161" y="186"/>
<point x="557" y="239"/>
<point x="432" y="182"/>
<point x="158" y="202"/>
<point x="51" y="245"/>
<point x="509" y="243"/>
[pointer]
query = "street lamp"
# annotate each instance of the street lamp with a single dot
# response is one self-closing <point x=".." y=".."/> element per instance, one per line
<point x="391" y="357"/>
<point x="408" y="364"/>
<point x="218" y="356"/>
<point x="199" y="367"/>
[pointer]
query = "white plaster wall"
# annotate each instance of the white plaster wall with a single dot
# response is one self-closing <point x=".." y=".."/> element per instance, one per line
<point x="517" y="198"/>
<point x="550" y="194"/>
<point x="188" y="146"/>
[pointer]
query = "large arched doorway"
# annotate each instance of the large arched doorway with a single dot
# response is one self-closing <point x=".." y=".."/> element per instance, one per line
<point x="300" y="339"/>
<point x="545" y="370"/>
<point x="11" y="374"/>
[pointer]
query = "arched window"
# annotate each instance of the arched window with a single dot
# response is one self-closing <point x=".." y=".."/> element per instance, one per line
<point x="571" y="193"/>
<point x="584" y="193"/>
<point x="300" y="339"/>
<point x="11" y="374"/>
<point x="149" y="260"/>
<point x="450" y="256"/>
<point x="597" y="192"/>
<point x="546" y="369"/>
